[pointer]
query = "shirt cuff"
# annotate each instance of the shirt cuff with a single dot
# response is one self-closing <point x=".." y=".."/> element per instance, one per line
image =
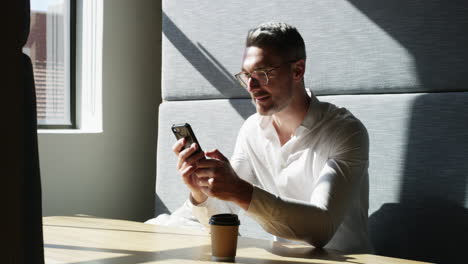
<point x="201" y="210"/>
<point x="209" y="207"/>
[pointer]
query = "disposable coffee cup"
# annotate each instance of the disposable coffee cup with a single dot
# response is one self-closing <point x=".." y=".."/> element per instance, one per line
<point x="224" y="232"/>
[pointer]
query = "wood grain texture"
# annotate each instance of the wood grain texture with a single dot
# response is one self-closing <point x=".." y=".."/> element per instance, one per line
<point x="89" y="240"/>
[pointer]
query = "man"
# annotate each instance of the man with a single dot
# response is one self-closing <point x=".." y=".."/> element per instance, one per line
<point x="299" y="167"/>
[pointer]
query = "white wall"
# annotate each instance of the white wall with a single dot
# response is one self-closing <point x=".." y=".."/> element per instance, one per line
<point x="113" y="174"/>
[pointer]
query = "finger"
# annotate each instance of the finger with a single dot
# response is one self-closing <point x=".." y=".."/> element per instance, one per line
<point x="193" y="159"/>
<point x="216" y="154"/>
<point x="204" y="173"/>
<point x="207" y="188"/>
<point x="206" y="191"/>
<point x="185" y="154"/>
<point x="209" y="163"/>
<point x="203" y="182"/>
<point x="177" y="147"/>
<point x="187" y="172"/>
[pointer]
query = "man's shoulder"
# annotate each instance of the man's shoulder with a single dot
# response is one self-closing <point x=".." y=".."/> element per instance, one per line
<point x="343" y="132"/>
<point x="341" y="117"/>
<point x="336" y="112"/>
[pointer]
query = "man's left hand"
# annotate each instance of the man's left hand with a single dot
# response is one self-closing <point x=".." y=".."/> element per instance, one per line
<point x="218" y="179"/>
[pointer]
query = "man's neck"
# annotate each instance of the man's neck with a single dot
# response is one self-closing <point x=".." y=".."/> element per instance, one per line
<point x="288" y="120"/>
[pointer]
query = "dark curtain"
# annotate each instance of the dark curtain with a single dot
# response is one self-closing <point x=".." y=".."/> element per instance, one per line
<point x="20" y="163"/>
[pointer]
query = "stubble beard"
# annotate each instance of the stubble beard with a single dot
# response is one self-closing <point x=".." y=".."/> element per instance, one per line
<point x="270" y="109"/>
<point x="274" y="105"/>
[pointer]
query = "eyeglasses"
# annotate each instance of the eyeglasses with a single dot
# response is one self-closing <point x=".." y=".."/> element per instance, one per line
<point x="260" y="76"/>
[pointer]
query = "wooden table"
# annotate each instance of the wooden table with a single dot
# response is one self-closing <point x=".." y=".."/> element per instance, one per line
<point x="88" y="240"/>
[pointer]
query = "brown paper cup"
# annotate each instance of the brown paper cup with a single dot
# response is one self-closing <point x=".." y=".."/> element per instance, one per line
<point x="224" y="232"/>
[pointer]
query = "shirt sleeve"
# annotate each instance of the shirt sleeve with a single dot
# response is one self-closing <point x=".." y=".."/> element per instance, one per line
<point x="241" y="165"/>
<point x="316" y="221"/>
<point x="210" y="207"/>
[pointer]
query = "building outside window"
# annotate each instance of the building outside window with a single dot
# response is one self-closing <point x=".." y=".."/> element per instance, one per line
<point x="51" y="47"/>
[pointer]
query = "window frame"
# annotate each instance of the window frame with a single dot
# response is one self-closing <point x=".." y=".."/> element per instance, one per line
<point x="72" y="12"/>
<point x="86" y="70"/>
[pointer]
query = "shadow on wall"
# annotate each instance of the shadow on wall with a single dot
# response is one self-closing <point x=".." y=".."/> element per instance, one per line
<point x="431" y="221"/>
<point x="205" y="63"/>
<point x="434" y="32"/>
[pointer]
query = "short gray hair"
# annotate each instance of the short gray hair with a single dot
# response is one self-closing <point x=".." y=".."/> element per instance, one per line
<point x="283" y="38"/>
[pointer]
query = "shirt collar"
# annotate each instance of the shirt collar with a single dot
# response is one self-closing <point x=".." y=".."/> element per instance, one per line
<point x="313" y="113"/>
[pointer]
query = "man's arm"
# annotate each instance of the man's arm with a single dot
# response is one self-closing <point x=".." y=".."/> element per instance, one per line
<point x="314" y="222"/>
<point x="283" y="217"/>
<point x="317" y="220"/>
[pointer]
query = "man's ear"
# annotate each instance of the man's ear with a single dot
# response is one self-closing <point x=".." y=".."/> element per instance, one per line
<point x="299" y="70"/>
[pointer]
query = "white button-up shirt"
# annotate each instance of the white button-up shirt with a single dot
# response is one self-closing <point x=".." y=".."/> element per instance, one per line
<point x="314" y="188"/>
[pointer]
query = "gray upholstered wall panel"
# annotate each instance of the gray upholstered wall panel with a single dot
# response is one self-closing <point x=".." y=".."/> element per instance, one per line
<point x="354" y="47"/>
<point x="419" y="145"/>
<point x="418" y="173"/>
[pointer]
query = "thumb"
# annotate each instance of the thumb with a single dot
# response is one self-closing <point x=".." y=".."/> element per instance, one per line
<point x="215" y="154"/>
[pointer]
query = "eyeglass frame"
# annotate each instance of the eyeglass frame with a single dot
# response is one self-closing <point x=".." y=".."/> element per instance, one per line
<point x="266" y="72"/>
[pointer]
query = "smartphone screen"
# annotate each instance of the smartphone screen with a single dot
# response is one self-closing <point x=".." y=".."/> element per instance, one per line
<point x="185" y="131"/>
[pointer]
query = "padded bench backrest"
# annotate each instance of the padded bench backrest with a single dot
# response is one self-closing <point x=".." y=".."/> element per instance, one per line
<point x="399" y="66"/>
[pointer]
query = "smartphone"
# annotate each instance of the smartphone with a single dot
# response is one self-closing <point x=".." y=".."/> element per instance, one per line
<point x="185" y="131"/>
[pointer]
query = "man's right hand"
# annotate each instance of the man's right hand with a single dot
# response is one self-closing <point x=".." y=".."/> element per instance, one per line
<point x="186" y="165"/>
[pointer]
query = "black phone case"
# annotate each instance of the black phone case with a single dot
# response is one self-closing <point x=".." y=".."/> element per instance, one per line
<point x="185" y="131"/>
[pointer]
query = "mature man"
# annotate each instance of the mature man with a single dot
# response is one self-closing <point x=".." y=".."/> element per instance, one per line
<point x="299" y="167"/>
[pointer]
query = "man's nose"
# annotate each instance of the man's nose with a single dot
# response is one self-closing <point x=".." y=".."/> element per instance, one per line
<point x="252" y="83"/>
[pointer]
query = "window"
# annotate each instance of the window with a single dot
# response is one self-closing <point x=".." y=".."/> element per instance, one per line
<point x="50" y="46"/>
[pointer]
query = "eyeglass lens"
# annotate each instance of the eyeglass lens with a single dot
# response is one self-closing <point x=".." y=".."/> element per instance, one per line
<point x="259" y="76"/>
